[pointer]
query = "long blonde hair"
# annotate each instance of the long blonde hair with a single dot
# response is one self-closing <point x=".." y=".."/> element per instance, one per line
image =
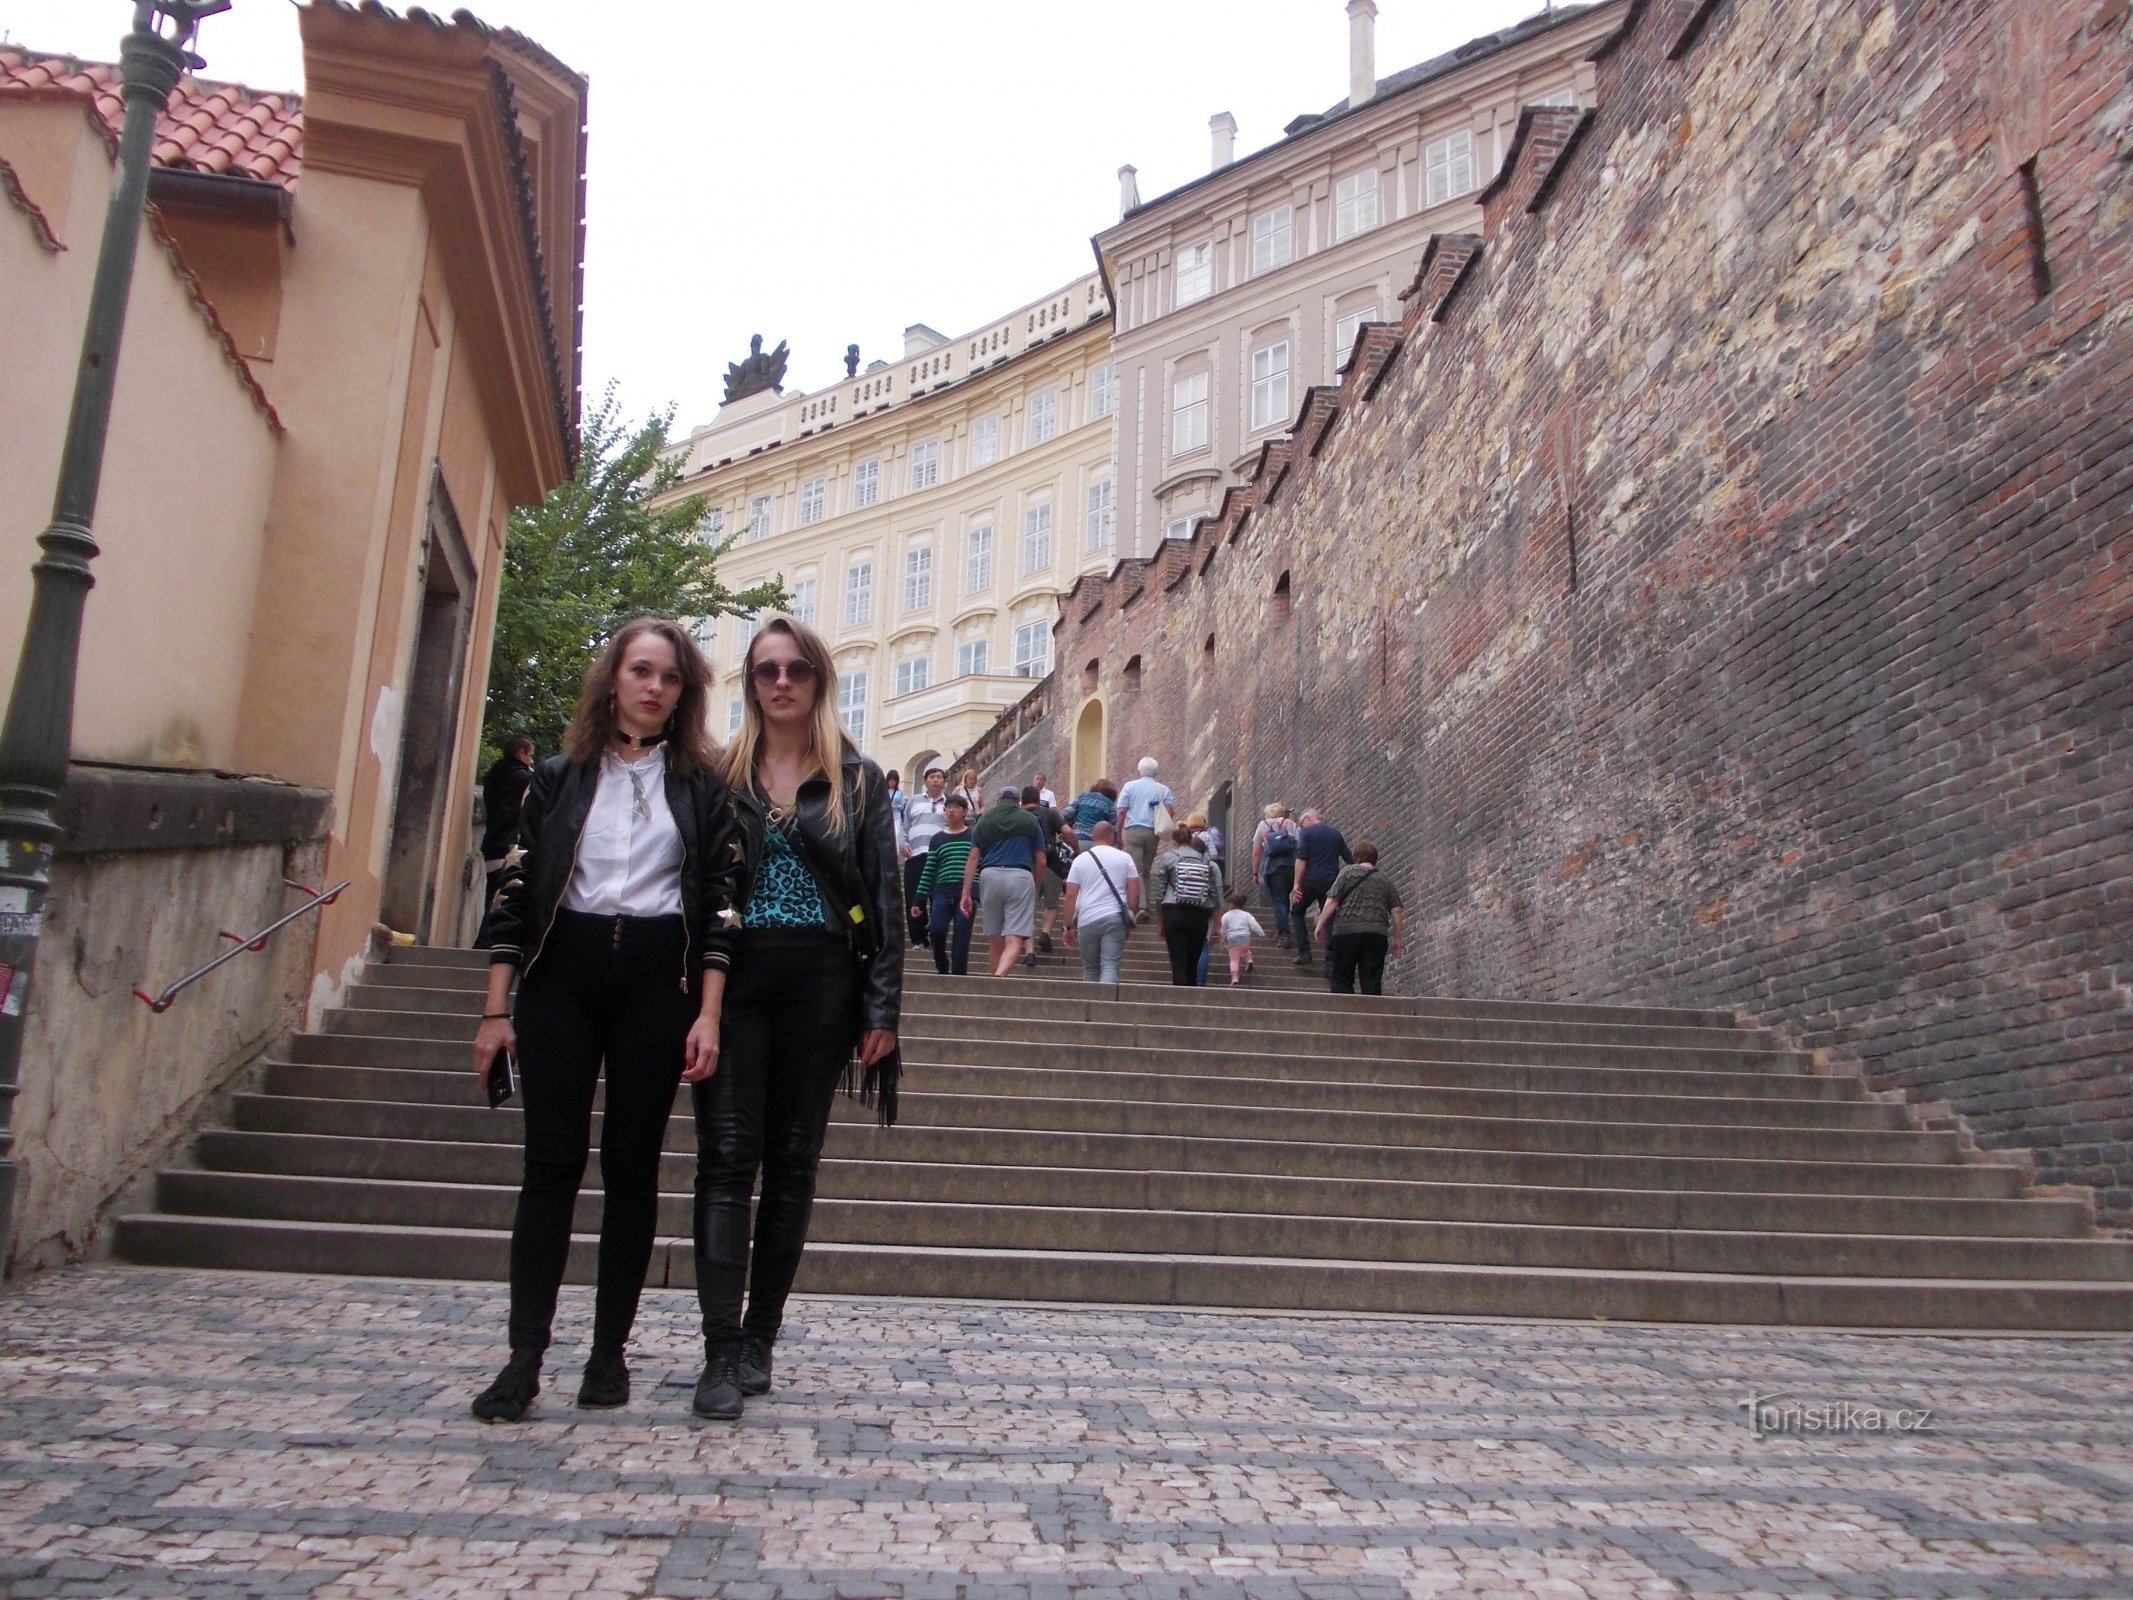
<point x="689" y="743"/>
<point x="827" y="741"/>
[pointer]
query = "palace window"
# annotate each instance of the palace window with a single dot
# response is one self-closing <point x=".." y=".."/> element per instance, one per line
<point x="1273" y="237"/>
<point x="1103" y="391"/>
<point x="984" y="441"/>
<point x="1043" y="415"/>
<point x="1195" y="274"/>
<point x="759" y="517"/>
<point x="1036" y="539"/>
<point x="866" y="484"/>
<point x="1448" y="167"/>
<point x="1033" y="650"/>
<point x="859" y="594"/>
<point x="977" y="560"/>
<point x="814" y="495"/>
<point x="1355" y="204"/>
<point x="1188" y="414"/>
<point x="803" y="601"/>
<point x="911" y="674"/>
<point x="925" y="465"/>
<point x="1270" y="385"/>
<point x="1096" y="533"/>
<point x="918" y="578"/>
<point x="1346" y="330"/>
<point x="973" y="658"/>
<point x="733" y="716"/>
<point x="852" y="705"/>
<point x="711" y="526"/>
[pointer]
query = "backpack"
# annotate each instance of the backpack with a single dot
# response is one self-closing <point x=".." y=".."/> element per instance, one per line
<point x="1193" y="879"/>
<point x="1280" y="843"/>
<point x="1059" y="856"/>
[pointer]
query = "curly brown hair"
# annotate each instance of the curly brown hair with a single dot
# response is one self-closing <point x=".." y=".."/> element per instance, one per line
<point x="689" y="743"/>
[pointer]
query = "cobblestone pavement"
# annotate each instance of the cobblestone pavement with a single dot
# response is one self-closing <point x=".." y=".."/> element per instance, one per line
<point x="227" y="1434"/>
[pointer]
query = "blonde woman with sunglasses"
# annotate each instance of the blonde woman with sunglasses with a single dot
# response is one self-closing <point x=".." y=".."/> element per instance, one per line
<point x="816" y="971"/>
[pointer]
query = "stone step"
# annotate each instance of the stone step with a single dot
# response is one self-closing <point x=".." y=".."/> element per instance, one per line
<point x="414" y="1160"/>
<point x="1316" y="1022"/>
<point x="1052" y="1039"/>
<point x="458" y="1087"/>
<point x="1081" y="1226"/>
<point x="436" y="968"/>
<point x="968" y="1127"/>
<point x="1172" y="1279"/>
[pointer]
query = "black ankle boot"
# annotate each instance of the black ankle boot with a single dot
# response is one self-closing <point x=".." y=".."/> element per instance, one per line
<point x="718" y="1391"/>
<point x="607" y="1381"/>
<point x="754" y="1367"/>
<point x="514" y="1390"/>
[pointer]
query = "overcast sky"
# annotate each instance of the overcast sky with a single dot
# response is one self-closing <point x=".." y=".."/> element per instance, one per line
<point x="828" y="171"/>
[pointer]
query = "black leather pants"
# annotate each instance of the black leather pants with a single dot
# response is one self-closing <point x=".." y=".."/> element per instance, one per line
<point x="790" y="1024"/>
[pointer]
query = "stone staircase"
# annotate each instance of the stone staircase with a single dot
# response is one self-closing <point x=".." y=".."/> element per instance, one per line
<point x="1269" y="1146"/>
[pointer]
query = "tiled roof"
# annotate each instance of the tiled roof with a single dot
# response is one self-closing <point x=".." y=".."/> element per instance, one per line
<point x="219" y="128"/>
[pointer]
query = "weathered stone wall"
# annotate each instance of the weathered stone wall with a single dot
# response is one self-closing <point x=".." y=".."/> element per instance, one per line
<point x="153" y="868"/>
<point x="1719" y="589"/>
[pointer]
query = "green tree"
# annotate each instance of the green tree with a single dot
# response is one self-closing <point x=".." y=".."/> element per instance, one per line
<point x="595" y="553"/>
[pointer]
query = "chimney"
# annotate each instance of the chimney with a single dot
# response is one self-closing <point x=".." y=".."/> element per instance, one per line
<point x="1129" y="189"/>
<point x="1362" y="51"/>
<point x="1224" y="127"/>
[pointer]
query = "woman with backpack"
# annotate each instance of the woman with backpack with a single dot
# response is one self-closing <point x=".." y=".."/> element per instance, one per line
<point x="1274" y="863"/>
<point x="1187" y="889"/>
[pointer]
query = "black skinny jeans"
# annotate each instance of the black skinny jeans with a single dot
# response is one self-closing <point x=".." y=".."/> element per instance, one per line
<point x="1357" y="956"/>
<point x="950" y="927"/>
<point x="1185" y="934"/>
<point x="790" y="1023"/>
<point x="607" y="991"/>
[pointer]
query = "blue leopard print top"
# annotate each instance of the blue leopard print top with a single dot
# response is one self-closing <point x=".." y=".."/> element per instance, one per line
<point x="785" y="894"/>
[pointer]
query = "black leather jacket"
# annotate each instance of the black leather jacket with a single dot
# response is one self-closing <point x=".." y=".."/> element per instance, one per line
<point x="859" y="873"/>
<point x="553" y="821"/>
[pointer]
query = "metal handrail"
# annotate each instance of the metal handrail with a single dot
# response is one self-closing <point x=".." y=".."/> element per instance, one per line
<point x="241" y="945"/>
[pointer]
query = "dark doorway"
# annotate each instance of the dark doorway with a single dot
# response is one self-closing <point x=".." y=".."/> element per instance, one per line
<point x="429" y="722"/>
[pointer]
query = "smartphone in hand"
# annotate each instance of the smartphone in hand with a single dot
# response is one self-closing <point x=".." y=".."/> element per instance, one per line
<point x="502" y="1080"/>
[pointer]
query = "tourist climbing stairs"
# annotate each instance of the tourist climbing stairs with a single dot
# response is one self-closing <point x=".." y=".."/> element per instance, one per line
<point x="1267" y="1146"/>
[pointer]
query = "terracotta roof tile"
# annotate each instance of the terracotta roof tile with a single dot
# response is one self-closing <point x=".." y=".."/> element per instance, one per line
<point x="221" y="128"/>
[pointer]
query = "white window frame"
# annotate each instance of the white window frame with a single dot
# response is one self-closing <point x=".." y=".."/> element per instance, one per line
<point x="1189" y="430"/>
<point x="804" y="591"/>
<point x="984" y="441"/>
<point x="1273" y="239"/>
<point x="814" y="499"/>
<point x="733" y="716"/>
<point x="1193" y="274"/>
<point x="1037" y="538"/>
<point x="1355" y="204"/>
<point x="1043" y="416"/>
<point x="866" y="484"/>
<point x="977" y="559"/>
<point x="852" y="705"/>
<point x="1098" y="515"/>
<point x="859" y="594"/>
<point x="744" y="631"/>
<point x="1270" y="385"/>
<point x="925" y="465"/>
<point x="1179" y="528"/>
<point x="711" y="526"/>
<point x="1347" y="328"/>
<point x="1033" y="650"/>
<point x="1447" y="168"/>
<point x="1557" y="97"/>
<point x="973" y="658"/>
<point x="912" y="673"/>
<point x="918" y="578"/>
<point x="1103" y="391"/>
<point x="759" y="517"/>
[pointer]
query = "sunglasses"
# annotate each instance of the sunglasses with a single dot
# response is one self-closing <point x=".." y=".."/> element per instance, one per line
<point x="769" y="673"/>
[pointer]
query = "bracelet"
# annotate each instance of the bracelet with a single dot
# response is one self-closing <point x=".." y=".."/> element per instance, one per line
<point x="496" y="1016"/>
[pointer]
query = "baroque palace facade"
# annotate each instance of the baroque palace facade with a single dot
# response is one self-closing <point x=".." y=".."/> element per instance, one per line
<point x="925" y="516"/>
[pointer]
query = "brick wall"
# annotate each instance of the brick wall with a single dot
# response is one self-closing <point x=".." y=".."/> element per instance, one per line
<point x="1718" y="589"/>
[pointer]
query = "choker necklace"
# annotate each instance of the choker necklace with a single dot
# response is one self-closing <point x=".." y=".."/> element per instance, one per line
<point x="635" y="743"/>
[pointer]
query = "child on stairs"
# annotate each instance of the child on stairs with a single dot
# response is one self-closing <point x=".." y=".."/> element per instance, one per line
<point x="1239" y="927"/>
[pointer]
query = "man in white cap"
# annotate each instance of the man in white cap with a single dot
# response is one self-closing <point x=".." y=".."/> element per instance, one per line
<point x="925" y="815"/>
<point x="1137" y="803"/>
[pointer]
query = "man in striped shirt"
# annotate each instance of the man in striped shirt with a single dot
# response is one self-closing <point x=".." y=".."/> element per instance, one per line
<point x="940" y="888"/>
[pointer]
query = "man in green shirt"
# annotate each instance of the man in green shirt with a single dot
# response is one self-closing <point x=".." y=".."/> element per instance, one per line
<point x="1006" y="866"/>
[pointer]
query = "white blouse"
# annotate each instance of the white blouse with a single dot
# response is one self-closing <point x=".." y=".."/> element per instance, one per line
<point x="629" y="858"/>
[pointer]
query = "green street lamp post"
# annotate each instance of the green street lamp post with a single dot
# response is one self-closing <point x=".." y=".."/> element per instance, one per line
<point x="38" y="736"/>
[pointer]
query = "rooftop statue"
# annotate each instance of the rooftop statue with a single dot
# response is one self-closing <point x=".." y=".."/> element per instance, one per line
<point x="758" y="372"/>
